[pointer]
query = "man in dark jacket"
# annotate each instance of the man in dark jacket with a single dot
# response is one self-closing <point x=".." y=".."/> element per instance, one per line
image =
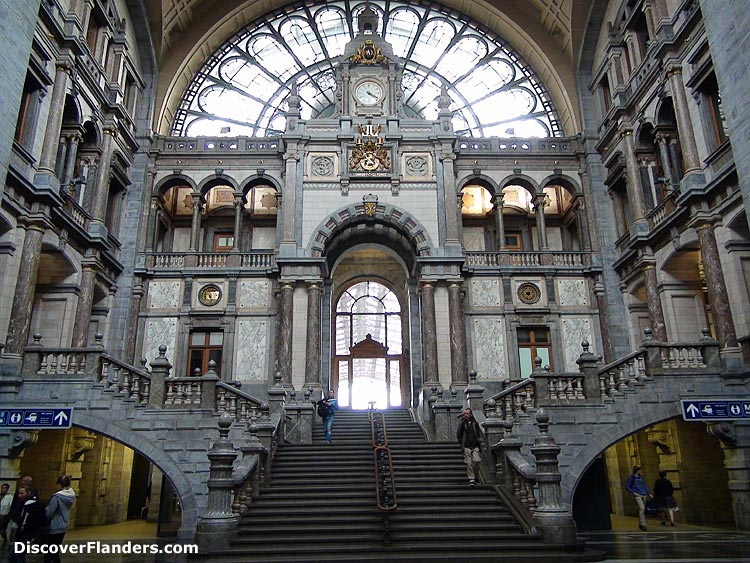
<point x="470" y="437"/>
<point x="31" y="522"/>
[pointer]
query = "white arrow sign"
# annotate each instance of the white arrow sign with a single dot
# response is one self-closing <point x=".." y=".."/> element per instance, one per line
<point x="692" y="410"/>
<point x="61" y="418"/>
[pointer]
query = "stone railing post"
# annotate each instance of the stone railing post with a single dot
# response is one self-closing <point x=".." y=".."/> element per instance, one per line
<point x="474" y="394"/>
<point x="219" y="524"/>
<point x="93" y="354"/>
<point x="277" y="395"/>
<point x="551" y="517"/>
<point x="588" y="365"/>
<point x="208" y="387"/>
<point x="493" y="433"/>
<point x="711" y="350"/>
<point x="252" y="447"/>
<point x="266" y="437"/>
<point x="160" y="368"/>
<point x="541" y="381"/>
<point x="445" y="412"/>
<point x="652" y="348"/>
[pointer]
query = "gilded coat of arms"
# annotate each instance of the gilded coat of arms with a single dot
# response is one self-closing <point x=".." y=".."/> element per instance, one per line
<point x="369" y="154"/>
<point x="368" y="54"/>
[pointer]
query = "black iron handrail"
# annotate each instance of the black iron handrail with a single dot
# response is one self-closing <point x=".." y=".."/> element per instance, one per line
<point x="385" y="485"/>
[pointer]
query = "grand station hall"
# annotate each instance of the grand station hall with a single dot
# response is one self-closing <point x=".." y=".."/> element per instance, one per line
<point x="258" y="258"/>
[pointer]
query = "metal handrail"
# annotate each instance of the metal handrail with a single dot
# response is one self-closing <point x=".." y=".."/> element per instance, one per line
<point x="385" y="485"/>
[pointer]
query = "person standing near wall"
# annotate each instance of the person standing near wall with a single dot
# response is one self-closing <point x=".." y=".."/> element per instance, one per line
<point x="636" y="485"/>
<point x="331" y="405"/>
<point x="6" y="499"/>
<point x="663" y="495"/>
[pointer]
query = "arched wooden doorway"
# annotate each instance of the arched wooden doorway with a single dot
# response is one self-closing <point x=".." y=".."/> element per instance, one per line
<point x="368" y="355"/>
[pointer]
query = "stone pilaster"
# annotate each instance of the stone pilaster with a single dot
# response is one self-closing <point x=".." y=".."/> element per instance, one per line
<point x="718" y="297"/>
<point x="449" y="184"/>
<point x="735" y="442"/>
<point x="459" y="367"/>
<point x="601" y="305"/>
<point x="23" y="298"/>
<point x="312" y="352"/>
<point x="284" y="312"/>
<point x="655" y="309"/>
<point x="289" y="202"/>
<point x="429" y="334"/>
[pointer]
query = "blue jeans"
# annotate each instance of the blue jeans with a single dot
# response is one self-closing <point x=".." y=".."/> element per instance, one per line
<point x="327" y="425"/>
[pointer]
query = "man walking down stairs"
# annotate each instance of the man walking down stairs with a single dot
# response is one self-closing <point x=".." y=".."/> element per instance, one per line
<point x="321" y="505"/>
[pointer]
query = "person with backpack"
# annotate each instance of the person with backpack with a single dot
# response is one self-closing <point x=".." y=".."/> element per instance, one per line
<point x="470" y="437"/>
<point x="326" y="409"/>
<point x="636" y="485"/>
<point x="31" y="522"/>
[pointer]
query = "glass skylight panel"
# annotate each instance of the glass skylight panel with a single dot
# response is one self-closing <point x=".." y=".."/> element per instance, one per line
<point x="242" y="88"/>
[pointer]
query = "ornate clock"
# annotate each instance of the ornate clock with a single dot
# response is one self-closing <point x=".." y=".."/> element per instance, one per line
<point x="368" y="93"/>
<point x="209" y="295"/>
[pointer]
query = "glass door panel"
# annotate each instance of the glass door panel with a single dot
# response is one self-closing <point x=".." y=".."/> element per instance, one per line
<point x="369" y="383"/>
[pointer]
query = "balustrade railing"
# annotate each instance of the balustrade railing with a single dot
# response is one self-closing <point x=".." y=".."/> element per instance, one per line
<point x="385" y="485"/>
<point x="122" y="378"/>
<point x="241" y="406"/>
<point x="180" y="260"/>
<point x="479" y="259"/>
<point x="519" y="397"/>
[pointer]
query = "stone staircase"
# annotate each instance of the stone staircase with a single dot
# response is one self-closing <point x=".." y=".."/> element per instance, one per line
<point x="320" y="505"/>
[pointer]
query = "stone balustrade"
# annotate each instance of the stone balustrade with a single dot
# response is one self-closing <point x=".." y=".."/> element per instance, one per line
<point x="497" y="259"/>
<point x="210" y="260"/>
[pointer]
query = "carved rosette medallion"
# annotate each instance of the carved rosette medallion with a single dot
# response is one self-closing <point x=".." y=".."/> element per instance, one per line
<point x="529" y="293"/>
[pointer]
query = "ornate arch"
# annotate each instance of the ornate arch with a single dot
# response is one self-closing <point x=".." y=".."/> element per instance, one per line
<point x="214" y="180"/>
<point x="520" y="180"/>
<point x="162" y="186"/>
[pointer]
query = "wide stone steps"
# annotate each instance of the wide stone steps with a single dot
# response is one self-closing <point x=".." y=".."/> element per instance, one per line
<point x="320" y="505"/>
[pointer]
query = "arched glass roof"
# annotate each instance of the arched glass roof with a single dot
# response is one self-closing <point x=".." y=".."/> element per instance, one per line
<point x="241" y="89"/>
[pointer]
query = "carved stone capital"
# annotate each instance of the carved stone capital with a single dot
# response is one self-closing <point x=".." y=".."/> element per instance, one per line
<point x="724" y="431"/>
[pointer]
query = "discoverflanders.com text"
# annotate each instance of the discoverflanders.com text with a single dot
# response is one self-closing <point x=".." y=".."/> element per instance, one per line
<point x="104" y="548"/>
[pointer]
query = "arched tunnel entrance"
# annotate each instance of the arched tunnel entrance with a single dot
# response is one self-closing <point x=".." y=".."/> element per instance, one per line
<point x="693" y="461"/>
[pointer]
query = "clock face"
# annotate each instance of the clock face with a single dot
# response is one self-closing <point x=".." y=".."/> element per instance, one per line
<point x="368" y="93"/>
<point x="209" y="295"/>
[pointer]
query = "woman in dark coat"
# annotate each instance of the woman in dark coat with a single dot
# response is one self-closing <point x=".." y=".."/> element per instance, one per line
<point x="665" y="503"/>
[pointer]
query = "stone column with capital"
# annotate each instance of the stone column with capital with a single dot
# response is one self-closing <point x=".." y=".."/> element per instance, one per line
<point x="633" y="181"/>
<point x="284" y="311"/>
<point x="239" y="204"/>
<point x="655" y="309"/>
<point x="48" y="157"/>
<point x="312" y="352"/>
<point x="459" y="366"/>
<point x="601" y="305"/>
<point x="718" y="298"/>
<point x="195" y="228"/>
<point x="497" y="202"/>
<point x="70" y="161"/>
<point x="85" y="302"/>
<point x="288" y="244"/>
<point x="538" y="201"/>
<point x="23" y="298"/>
<point x="689" y="148"/>
<point x="429" y="334"/>
<point x="100" y="194"/>
<point x="663" y="141"/>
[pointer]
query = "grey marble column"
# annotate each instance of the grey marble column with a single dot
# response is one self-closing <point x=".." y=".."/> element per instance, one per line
<point x="497" y="201"/>
<point x="429" y="334"/>
<point x="684" y="124"/>
<point x="23" y="298"/>
<point x="133" y="319"/>
<point x="284" y="311"/>
<point x="239" y="202"/>
<point x="54" y="118"/>
<point x="312" y="351"/>
<point x="655" y="309"/>
<point x="538" y="201"/>
<point x="195" y="229"/>
<point x="101" y="184"/>
<point x="459" y="366"/>
<point x="70" y="160"/>
<point x="663" y="141"/>
<point x="633" y="181"/>
<point x="83" y="310"/>
<point x="718" y="298"/>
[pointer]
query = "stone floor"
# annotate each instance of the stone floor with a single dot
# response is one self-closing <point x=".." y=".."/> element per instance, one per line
<point x="624" y="543"/>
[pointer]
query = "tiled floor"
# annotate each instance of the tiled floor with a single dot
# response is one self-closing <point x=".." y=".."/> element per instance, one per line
<point x="625" y="543"/>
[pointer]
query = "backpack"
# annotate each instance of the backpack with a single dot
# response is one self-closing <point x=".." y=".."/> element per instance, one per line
<point x="323" y="409"/>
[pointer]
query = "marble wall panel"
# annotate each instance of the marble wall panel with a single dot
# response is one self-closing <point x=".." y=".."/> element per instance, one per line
<point x="160" y="331"/>
<point x="473" y="238"/>
<point x="250" y="356"/>
<point x="164" y="294"/>
<point x="574" y="331"/>
<point x="489" y="348"/>
<point x="264" y="238"/>
<point x="485" y="292"/>
<point x="254" y="294"/>
<point x="572" y="292"/>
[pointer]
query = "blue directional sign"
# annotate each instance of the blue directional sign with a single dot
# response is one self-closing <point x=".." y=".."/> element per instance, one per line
<point x="36" y="418"/>
<point x="706" y="409"/>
